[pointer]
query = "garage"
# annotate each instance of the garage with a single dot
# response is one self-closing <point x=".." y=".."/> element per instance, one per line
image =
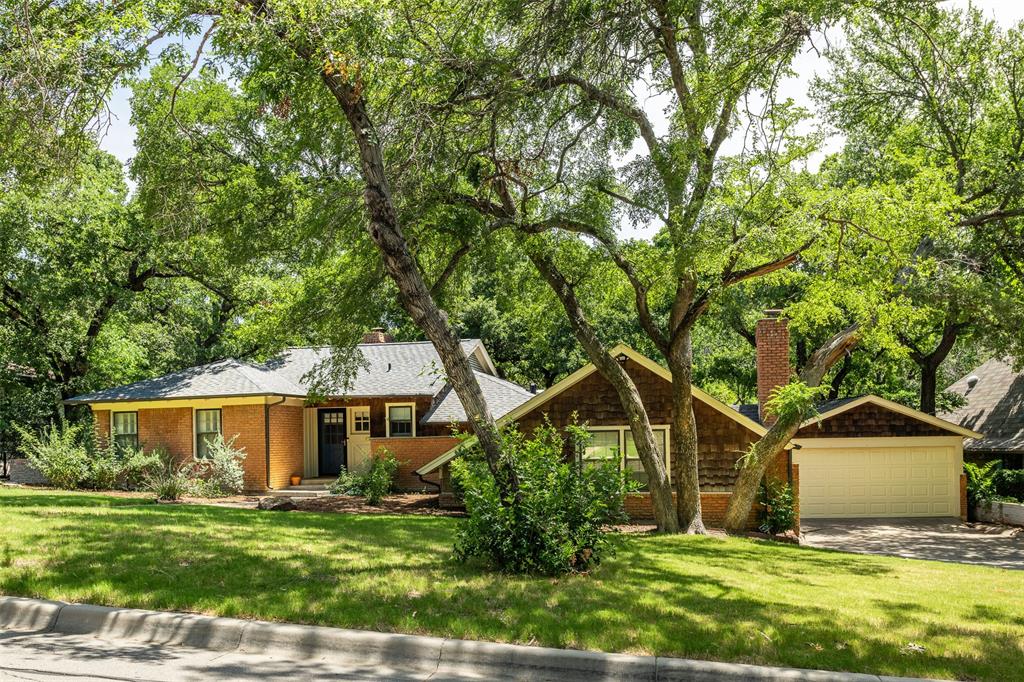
<point x="844" y="478"/>
<point x="871" y="458"/>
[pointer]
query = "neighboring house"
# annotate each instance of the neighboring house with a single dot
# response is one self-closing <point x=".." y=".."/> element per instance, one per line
<point x="859" y="457"/>
<point x="995" y="406"/>
<point x="397" y="400"/>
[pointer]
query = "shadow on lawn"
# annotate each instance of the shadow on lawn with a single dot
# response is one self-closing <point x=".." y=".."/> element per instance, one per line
<point x="385" y="573"/>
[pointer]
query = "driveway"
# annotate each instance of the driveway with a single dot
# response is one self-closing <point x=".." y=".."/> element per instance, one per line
<point x="935" y="539"/>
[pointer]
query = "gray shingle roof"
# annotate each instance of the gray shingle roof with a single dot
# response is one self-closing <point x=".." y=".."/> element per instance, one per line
<point x="995" y="407"/>
<point x="502" y="397"/>
<point x="751" y="411"/>
<point x="388" y="369"/>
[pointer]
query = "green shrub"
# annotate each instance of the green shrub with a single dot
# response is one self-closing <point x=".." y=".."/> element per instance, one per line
<point x="171" y="479"/>
<point x="560" y="521"/>
<point x="375" y="484"/>
<point x="61" y="452"/>
<point x="106" y="468"/>
<point x="779" y="508"/>
<point x="981" y="481"/>
<point x="1010" y="483"/>
<point x="222" y="473"/>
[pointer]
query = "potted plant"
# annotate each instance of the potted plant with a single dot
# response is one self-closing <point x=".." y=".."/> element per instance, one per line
<point x="296" y="479"/>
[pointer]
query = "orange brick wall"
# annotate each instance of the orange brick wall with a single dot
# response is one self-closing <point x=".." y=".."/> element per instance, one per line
<point x="286" y="452"/>
<point x="169" y="428"/>
<point x="101" y="424"/>
<point x="245" y="424"/>
<point x="412" y="453"/>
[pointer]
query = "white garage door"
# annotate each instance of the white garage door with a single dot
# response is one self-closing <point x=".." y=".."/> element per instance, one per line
<point x="879" y="481"/>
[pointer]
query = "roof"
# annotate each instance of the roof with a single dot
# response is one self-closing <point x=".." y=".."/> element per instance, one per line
<point x="387" y="369"/>
<point x="995" y="406"/>
<point x="502" y="397"/>
<point x="831" y="408"/>
<point x="583" y="372"/>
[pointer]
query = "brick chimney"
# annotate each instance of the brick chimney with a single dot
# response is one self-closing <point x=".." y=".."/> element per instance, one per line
<point x="771" y="336"/>
<point x="377" y="335"/>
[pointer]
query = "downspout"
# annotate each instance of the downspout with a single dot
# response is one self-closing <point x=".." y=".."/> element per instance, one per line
<point x="426" y="482"/>
<point x="266" y="434"/>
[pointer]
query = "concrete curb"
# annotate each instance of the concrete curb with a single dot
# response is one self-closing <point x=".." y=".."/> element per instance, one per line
<point x="358" y="647"/>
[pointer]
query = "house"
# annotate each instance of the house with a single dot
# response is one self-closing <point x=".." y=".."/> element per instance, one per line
<point x="858" y="457"/>
<point x="994" y="395"/>
<point x="397" y="400"/>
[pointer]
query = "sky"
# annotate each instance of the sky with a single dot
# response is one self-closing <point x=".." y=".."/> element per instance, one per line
<point x="119" y="138"/>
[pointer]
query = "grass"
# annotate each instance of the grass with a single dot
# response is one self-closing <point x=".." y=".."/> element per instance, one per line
<point x="696" y="597"/>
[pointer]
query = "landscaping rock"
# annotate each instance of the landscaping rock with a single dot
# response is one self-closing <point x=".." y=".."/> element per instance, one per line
<point x="277" y="504"/>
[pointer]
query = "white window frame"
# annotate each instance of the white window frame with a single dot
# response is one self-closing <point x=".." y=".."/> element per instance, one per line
<point x="622" y="442"/>
<point x="387" y="419"/>
<point x="112" y="434"/>
<point x="195" y="425"/>
<point x="352" y="413"/>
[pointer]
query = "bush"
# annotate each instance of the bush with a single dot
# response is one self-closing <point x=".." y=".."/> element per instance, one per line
<point x="981" y="481"/>
<point x="171" y="479"/>
<point x="560" y="522"/>
<point x="375" y="484"/>
<point x="60" y="452"/>
<point x="222" y="473"/>
<point x="1010" y="483"/>
<point x="779" y="507"/>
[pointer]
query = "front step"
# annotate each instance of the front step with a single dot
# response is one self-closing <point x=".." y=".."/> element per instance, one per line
<point x="308" y="489"/>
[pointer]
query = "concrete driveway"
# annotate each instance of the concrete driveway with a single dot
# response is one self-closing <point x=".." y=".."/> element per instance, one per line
<point x="935" y="539"/>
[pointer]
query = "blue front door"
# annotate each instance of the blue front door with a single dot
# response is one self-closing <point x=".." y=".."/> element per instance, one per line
<point x="333" y="441"/>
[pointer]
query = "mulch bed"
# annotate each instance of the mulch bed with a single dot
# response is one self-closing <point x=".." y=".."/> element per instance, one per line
<point x="425" y="505"/>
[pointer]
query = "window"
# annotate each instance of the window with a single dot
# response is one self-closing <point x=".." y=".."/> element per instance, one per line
<point x="124" y="427"/>
<point x="604" y="446"/>
<point x="633" y="464"/>
<point x="361" y="420"/>
<point x="400" y="423"/>
<point x="332" y="417"/>
<point x="207" y="429"/>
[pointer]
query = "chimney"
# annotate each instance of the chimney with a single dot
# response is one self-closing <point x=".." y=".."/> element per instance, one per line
<point x="771" y="336"/>
<point x="377" y="335"/>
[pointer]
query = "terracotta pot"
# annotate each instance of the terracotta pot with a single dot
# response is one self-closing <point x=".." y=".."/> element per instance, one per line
<point x="296" y="480"/>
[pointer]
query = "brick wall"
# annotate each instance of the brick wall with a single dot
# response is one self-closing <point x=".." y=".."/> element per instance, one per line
<point x="771" y="336"/>
<point x="101" y="424"/>
<point x="412" y="453"/>
<point x="869" y="420"/>
<point x="169" y="428"/>
<point x="286" y="433"/>
<point x="245" y="424"/>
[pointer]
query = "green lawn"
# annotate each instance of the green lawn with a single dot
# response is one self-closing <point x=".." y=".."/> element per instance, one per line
<point x="711" y="598"/>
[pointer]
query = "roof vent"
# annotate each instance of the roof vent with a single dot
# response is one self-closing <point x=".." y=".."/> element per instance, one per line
<point x="972" y="381"/>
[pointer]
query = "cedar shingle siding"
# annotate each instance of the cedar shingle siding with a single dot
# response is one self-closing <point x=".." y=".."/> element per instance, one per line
<point x="868" y="421"/>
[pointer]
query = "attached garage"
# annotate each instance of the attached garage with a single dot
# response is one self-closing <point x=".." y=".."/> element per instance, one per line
<point x="871" y="458"/>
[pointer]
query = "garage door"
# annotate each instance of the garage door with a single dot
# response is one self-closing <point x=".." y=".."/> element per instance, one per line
<point x="851" y="482"/>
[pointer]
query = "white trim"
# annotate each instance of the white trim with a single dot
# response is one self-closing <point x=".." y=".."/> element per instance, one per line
<point x="351" y="417"/>
<point x="622" y="441"/>
<point x="195" y="424"/>
<point x="876" y="442"/>
<point x="895" y="407"/>
<point x="387" y="419"/>
<point x="581" y="374"/>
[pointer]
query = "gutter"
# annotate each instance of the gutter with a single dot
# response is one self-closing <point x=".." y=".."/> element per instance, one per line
<point x="266" y="434"/>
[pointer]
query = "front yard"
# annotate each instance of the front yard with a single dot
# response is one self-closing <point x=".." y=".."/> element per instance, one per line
<point x="711" y="598"/>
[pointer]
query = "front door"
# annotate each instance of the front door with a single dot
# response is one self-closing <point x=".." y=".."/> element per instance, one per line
<point x="332" y="441"/>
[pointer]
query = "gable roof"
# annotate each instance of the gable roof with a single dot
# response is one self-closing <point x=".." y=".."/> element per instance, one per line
<point x="836" y="407"/>
<point x="502" y="397"/>
<point x="577" y="376"/>
<point x="389" y="369"/>
<point x="995" y="406"/>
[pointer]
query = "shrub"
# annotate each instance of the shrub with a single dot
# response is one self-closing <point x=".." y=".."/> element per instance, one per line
<point x="981" y="481"/>
<point x="60" y="452"/>
<point x="222" y="472"/>
<point x="375" y="484"/>
<point x="170" y="479"/>
<point x="105" y="468"/>
<point x="560" y="520"/>
<point x="779" y="507"/>
<point x="1010" y="483"/>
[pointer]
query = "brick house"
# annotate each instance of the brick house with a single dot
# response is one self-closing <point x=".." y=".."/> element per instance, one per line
<point x="862" y="456"/>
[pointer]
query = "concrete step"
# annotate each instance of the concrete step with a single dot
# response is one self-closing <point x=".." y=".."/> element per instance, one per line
<point x="308" y="486"/>
<point x="291" y="492"/>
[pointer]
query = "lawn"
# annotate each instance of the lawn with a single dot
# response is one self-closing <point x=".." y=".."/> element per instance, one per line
<point x="696" y="597"/>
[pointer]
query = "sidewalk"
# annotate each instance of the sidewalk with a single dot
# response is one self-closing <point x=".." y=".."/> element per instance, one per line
<point x="43" y="640"/>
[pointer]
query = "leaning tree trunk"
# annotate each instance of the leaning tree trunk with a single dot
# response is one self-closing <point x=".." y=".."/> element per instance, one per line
<point x="385" y="231"/>
<point x="685" y="467"/>
<point x="755" y="464"/>
<point x="658" y="482"/>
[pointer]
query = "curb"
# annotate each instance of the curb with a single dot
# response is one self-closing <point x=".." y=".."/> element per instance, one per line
<point x="359" y="647"/>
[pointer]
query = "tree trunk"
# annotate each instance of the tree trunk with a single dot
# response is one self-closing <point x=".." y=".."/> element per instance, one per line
<point x="685" y="455"/>
<point x="929" y="381"/>
<point x="756" y="462"/>
<point x="629" y="397"/>
<point x="929" y="363"/>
